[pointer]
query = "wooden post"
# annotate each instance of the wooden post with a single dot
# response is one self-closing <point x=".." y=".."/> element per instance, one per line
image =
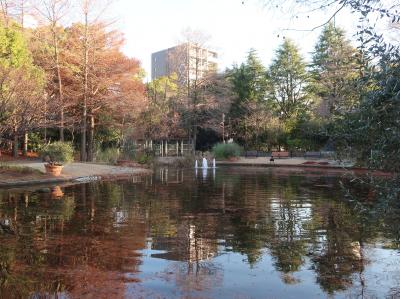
<point x="182" y="147"/>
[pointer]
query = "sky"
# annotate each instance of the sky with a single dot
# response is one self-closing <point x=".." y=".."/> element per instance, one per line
<point x="234" y="27"/>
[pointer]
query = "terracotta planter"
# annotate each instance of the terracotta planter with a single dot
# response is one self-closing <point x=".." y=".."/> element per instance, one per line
<point x="54" y="170"/>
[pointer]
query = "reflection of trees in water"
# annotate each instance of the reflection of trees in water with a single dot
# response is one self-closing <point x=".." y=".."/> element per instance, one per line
<point x="290" y="216"/>
<point x="86" y="241"/>
<point x="76" y="245"/>
<point x="267" y="213"/>
<point x="193" y="247"/>
<point x="192" y="277"/>
<point x="188" y="244"/>
<point x="339" y="255"/>
<point x="377" y="201"/>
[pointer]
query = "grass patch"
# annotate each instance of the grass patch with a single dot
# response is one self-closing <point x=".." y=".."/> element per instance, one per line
<point x="7" y="169"/>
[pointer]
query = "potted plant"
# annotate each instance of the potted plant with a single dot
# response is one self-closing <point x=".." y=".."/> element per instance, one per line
<point x="56" y="155"/>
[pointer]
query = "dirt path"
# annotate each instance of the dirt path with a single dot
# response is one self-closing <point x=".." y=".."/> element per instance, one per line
<point x="73" y="172"/>
<point x="286" y="161"/>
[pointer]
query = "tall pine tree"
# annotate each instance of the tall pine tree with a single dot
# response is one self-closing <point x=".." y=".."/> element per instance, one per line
<point x="288" y="79"/>
<point x="249" y="85"/>
<point x="335" y="68"/>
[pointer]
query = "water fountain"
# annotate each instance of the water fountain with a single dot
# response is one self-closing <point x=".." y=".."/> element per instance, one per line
<point x="205" y="163"/>
<point x="204" y="172"/>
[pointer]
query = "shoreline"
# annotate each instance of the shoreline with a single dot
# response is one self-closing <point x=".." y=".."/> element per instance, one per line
<point x="294" y="166"/>
<point x="74" y="173"/>
<point x="80" y="173"/>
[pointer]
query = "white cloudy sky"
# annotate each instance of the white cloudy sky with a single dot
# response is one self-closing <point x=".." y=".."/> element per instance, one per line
<point x="234" y="27"/>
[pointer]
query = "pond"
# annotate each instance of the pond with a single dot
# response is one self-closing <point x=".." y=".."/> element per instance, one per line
<point x="224" y="233"/>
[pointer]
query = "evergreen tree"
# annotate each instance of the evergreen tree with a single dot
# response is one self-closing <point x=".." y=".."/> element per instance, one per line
<point x="288" y="79"/>
<point x="335" y="68"/>
<point x="372" y="132"/>
<point x="249" y="83"/>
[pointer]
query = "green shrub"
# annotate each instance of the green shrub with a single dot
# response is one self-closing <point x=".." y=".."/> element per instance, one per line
<point x="36" y="142"/>
<point x="58" y="152"/>
<point x="144" y="158"/>
<point x="109" y="155"/>
<point x="226" y="150"/>
<point x="128" y="150"/>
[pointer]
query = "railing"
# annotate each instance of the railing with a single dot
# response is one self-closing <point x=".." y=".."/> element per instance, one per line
<point x="165" y="148"/>
<point x="293" y="154"/>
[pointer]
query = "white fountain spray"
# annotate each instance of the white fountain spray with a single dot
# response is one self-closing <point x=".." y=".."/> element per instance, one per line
<point x="204" y="171"/>
<point x="196" y="165"/>
<point x="214" y="164"/>
<point x="205" y="163"/>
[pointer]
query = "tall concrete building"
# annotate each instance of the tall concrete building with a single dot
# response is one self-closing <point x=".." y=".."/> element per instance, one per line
<point x="188" y="61"/>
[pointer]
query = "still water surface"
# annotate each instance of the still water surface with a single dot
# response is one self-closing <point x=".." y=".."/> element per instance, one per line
<point x="224" y="233"/>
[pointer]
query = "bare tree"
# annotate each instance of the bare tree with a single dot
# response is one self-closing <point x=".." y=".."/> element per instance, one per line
<point x="190" y="62"/>
<point x="53" y="11"/>
<point x="21" y="101"/>
<point x="92" y="11"/>
<point x="14" y="10"/>
<point x="305" y="8"/>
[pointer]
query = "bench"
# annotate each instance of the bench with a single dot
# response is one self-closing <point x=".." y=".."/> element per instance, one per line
<point x="312" y="155"/>
<point x="251" y="154"/>
<point x="280" y="155"/>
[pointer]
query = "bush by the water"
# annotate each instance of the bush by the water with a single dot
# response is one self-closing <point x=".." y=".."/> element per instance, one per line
<point x="144" y="158"/>
<point x="58" y="152"/>
<point x="128" y="151"/>
<point x="109" y="155"/>
<point x="227" y="150"/>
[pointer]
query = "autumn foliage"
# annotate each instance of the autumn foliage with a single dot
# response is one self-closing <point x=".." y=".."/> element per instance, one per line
<point x="65" y="82"/>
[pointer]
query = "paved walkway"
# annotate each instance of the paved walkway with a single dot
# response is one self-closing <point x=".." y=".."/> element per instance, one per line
<point x="78" y="172"/>
<point x="286" y="161"/>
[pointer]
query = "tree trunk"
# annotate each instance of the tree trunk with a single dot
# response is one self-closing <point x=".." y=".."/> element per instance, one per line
<point x="62" y="123"/>
<point x="91" y="139"/>
<point x="25" y="145"/>
<point x="59" y="81"/>
<point x="194" y="139"/>
<point x="83" y="135"/>
<point x="85" y="91"/>
<point x="15" y="146"/>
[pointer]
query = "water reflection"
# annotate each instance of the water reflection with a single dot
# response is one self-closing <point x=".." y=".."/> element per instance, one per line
<point x="224" y="234"/>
